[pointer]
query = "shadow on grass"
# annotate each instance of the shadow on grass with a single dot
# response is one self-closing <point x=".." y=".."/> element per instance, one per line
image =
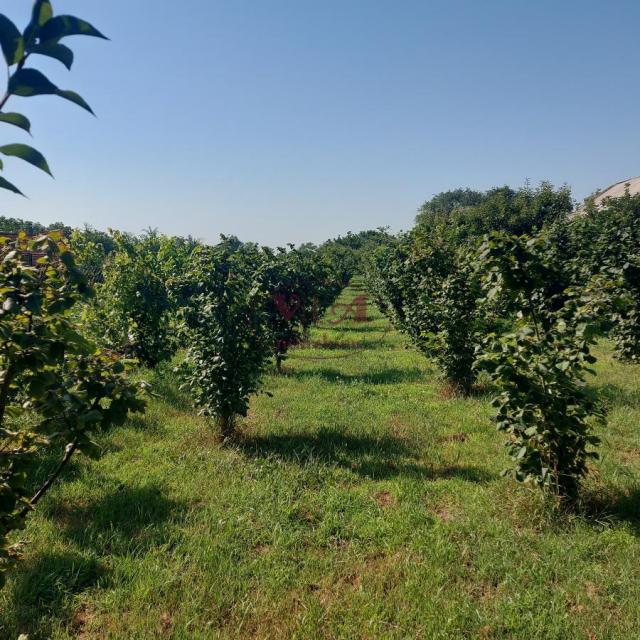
<point x="128" y="520"/>
<point x="336" y="344"/>
<point x="385" y="376"/>
<point x="166" y="383"/>
<point x="347" y="345"/>
<point x="376" y="458"/>
<point x="612" y="505"/>
<point x="614" y="395"/>
<point x="360" y="327"/>
<point x="43" y="587"/>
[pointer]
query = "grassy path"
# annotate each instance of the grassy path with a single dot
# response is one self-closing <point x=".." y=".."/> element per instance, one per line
<point x="361" y="502"/>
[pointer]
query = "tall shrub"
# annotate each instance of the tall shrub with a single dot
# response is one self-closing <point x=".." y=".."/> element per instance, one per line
<point x="130" y="314"/>
<point x="539" y="367"/>
<point x="226" y="325"/>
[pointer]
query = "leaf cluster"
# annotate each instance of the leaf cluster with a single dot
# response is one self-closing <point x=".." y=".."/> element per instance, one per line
<point x="42" y="36"/>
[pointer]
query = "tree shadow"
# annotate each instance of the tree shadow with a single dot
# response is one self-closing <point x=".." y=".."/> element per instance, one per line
<point x="360" y="328"/>
<point x="166" y="384"/>
<point x="612" y="505"/>
<point x="376" y="458"/>
<point x="385" y="376"/>
<point x="128" y="520"/>
<point x="346" y="345"/>
<point x="43" y="587"/>
<point x="614" y="395"/>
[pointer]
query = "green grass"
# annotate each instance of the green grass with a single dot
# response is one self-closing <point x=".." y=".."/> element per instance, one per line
<point x="362" y="501"/>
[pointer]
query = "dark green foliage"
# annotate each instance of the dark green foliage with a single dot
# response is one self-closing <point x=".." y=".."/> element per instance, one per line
<point x="428" y="289"/>
<point x="626" y="315"/>
<point x="520" y="211"/>
<point x="130" y="314"/>
<point x="15" y="225"/>
<point x="226" y="327"/>
<point x="539" y="367"/>
<point x="41" y="37"/>
<point x="346" y="254"/>
<point x="54" y="386"/>
<point x="437" y="211"/>
<point x="605" y="243"/>
<point x="298" y="288"/>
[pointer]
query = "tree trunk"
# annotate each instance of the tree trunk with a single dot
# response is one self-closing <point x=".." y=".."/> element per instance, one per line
<point x="226" y="424"/>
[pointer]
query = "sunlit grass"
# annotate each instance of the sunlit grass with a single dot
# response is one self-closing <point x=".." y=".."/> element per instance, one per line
<point x="360" y="501"/>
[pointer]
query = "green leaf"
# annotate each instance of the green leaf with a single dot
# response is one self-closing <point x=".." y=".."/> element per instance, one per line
<point x="28" y="154"/>
<point x="72" y="96"/>
<point x="17" y="120"/>
<point x="63" y="26"/>
<point x="40" y="14"/>
<point x="30" y="82"/>
<point x="10" y="40"/>
<point x="5" y="184"/>
<point x="54" y="50"/>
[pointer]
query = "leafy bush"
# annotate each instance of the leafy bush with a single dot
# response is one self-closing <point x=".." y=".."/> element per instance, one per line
<point x="130" y="314"/>
<point x="226" y="327"/>
<point x="539" y="367"/>
<point x="429" y="290"/>
<point x="54" y="386"/>
<point x="605" y="243"/>
<point x="345" y="255"/>
<point x="296" y="287"/>
<point x="463" y="215"/>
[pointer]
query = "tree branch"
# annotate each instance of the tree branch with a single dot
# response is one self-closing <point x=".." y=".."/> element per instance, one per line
<point x="68" y="452"/>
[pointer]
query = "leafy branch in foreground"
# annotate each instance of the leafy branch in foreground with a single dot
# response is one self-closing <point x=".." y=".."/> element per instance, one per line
<point x="54" y="387"/>
<point x="42" y="37"/>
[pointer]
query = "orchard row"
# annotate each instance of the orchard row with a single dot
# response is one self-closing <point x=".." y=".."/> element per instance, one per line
<point x="513" y="288"/>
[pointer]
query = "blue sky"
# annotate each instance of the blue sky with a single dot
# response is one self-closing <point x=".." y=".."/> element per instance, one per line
<point x="291" y="121"/>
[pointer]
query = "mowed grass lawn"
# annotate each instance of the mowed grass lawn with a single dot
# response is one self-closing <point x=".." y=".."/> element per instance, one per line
<point x="361" y="501"/>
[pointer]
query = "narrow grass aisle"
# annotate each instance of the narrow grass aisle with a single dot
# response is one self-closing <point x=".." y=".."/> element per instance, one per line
<point x="360" y="502"/>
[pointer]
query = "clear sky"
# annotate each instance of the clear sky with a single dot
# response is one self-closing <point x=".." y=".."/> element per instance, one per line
<point x="298" y="120"/>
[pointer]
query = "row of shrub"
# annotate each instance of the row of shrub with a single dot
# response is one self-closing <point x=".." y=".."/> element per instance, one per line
<point x="65" y="344"/>
<point x="518" y="297"/>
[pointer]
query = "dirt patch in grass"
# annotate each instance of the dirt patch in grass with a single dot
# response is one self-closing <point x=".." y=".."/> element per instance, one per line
<point x="444" y="514"/>
<point x="261" y="549"/>
<point x="385" y="499"/>
<point x="166" y="624"/>
<point x="483" y="591"/>
<point x="456" y="437"/>
<point x="80" y="620"/>
<point x="400" y="428"/>
<point x="630" y="456"/>
<point x="205" y="438"/>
